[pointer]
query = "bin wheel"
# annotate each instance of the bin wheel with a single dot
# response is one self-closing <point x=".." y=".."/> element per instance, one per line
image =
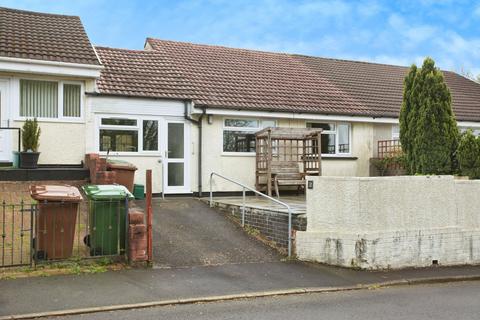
<point x="86" y="240"/>
<point x="40" y="255"/>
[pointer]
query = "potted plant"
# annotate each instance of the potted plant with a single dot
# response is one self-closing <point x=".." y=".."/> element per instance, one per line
<point x="30" y="138"/>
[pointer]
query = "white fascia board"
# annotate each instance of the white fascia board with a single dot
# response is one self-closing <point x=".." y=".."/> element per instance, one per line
<point x="17" y="65"/>
<point x="468" y="124"/>
<point x="313" y="116"/>
<point x="300" y="116"/>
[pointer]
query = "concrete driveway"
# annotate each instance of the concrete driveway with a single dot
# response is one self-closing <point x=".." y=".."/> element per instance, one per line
<point x="187" y="232"/>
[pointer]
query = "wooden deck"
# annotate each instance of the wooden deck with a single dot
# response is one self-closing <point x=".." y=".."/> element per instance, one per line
<point x="297" y="203"/>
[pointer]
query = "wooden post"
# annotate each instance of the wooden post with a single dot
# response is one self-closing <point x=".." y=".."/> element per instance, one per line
<point x="269" y="163"/>
<point x="319" y="151"/>
<point x="149" y="216"/>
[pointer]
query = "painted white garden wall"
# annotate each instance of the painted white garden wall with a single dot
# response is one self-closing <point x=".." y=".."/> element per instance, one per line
<point x="391" y="222"/>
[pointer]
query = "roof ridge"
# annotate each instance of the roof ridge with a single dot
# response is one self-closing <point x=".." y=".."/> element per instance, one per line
<point x="274" y="52"/>
<point x="38" y="13"/>
<point x="124" y="49"/>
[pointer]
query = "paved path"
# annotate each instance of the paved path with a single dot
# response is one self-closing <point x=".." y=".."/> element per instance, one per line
<point x="436" y="302"/>
<point x="41" y="294"/>
<point x="187" y="232"/>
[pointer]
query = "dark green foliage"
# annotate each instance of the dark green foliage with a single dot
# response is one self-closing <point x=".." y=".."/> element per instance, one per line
<point x="468" y="155"/>
<point x="407" y="115"/>
<point x="30" y="135"/>
<point x="428" y="130"/>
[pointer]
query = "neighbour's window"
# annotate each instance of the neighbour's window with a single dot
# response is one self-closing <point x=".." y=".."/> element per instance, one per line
<point x="42" y="99"/>
<point x="335" y="137"/>
<point x="395" y="132"/>
<point x="71" y="100"/>
<point x="122" y="135"/>
<point x="38" y="99"/>
<point x="239" y="134"/>
<point x="475" y="131"/>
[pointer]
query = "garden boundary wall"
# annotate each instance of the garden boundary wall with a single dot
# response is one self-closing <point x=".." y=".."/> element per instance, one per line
<point x="391" y="222"/>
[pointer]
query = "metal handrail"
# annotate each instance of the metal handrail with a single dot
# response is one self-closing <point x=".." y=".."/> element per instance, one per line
<point x="244" y="188"/>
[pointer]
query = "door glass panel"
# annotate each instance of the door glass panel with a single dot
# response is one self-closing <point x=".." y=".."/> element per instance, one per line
<point x="175" y="141"/>
<point x="175" y="174"/>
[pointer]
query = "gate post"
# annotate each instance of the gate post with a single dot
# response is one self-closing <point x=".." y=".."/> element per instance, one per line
<point x="149" y="216"/>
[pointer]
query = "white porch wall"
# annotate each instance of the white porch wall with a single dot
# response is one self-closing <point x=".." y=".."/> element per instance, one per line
<point x="242" y="167"/>
<point x="125" y="106"/>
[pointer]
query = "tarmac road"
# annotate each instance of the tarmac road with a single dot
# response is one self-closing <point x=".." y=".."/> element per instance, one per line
<point x="440" y="301"/>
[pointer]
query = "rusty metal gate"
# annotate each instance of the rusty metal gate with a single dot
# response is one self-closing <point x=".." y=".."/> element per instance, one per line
<point x="17" y="236"/>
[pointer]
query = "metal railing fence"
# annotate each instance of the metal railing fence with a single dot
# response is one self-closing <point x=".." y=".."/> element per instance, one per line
<point x="244" y="189"/>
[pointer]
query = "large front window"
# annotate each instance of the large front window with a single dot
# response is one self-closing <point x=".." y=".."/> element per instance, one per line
<point x="122" y="135"/>
<point x="50" y="99"/>
<point x="335" y="137"/>
<point x="239" y="134"/>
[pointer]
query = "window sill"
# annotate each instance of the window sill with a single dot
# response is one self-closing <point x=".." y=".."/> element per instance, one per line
<point x="238" y="154"/>
<point x="55" y="120"/>
<point x="339" y="158"/>
<point x="131" y="154"/>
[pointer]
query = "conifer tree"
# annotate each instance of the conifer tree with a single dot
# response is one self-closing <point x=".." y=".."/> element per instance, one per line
<point x="427" y="123"/>
<point x="468" y="155"/>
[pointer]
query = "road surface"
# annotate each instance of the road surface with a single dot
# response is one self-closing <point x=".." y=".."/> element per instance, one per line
<point x="440" y="301"/>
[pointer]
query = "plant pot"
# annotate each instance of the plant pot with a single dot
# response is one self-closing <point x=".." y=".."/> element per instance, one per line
<point x="29" y="160"/>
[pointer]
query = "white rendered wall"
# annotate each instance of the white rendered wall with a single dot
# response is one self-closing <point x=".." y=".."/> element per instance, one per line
<point x="391" y="222"/>
<point x="242" y="167"/>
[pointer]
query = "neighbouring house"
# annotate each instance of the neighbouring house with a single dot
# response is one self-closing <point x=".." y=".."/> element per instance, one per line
<point x="185" y="110"/>
<point x="46" y="64"/>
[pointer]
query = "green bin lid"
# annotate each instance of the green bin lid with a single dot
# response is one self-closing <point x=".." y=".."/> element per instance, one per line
<point x="106" y="192"/>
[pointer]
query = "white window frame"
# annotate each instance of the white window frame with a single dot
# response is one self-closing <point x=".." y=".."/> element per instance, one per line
<point x="138" y="127"/>
<point x="350" y="136"/>
<point x="60" y="84"/>
<point x="244" y="129"/>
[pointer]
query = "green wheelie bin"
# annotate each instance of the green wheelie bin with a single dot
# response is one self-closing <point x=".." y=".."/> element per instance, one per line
<point x="108" y="205"/>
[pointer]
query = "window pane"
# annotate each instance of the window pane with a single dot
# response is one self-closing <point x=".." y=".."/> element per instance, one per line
<point x="268" y="123"/>
<point x="119" y="122"/>
<point x="118" y="140"/>
<point x="343" y="138"/>
<point x="150" y="135"/>
<point x="241" y="123"/>
<point x="324" y="126"/>
<point x="71" y="100"/>
<point x="395" y="131"/>
<point x="175" y="174"/>
<point x="328" y="143"/>
<point x="175" y="141"/>
<point x="38" y="99"/>
<point x="238" y="141"/>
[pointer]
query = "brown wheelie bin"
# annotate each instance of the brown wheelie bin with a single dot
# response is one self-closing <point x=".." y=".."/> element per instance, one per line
<point x="55" y="220"/>
<point x="125" y="172"/>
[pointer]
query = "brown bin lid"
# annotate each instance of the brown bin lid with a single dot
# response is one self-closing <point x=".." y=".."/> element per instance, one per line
<point x="121" y="166"/>
<point x="55" y="193"/>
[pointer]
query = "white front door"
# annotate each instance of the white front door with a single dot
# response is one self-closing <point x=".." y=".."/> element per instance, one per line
<point x="176" y="164"/>
<point x="5" y="135"/>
